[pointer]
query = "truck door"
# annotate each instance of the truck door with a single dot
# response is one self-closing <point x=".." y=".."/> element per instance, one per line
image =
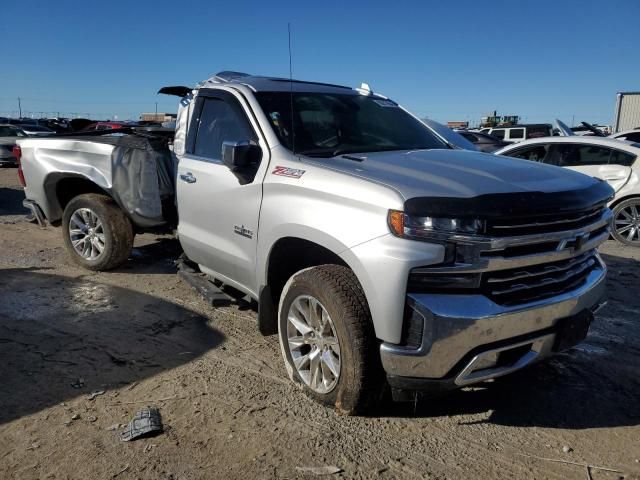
<point x="218" y="212"/>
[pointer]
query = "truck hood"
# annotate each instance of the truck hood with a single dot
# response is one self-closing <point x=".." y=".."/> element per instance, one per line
<point x="478" y="183"/>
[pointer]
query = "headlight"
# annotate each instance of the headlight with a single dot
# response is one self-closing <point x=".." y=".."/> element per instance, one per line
<point x="409" y="226"/>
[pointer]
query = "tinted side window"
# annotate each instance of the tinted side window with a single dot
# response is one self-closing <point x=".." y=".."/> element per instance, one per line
<point x="535" y="153"/>
<point x="516" y="133"/>
<point x="219" y="122"/>
<point x="579" y="155"/>
<point x="621" y="158"/>
<point x="498" y="133"/>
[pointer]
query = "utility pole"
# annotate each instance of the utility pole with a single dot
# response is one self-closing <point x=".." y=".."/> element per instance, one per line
<point x="156" y="108"/>
<point x="19" y="108"/>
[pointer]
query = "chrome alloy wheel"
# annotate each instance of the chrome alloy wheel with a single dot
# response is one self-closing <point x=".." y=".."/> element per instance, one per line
<point x="313" y="344"/>
<point x="86" y="233"/>
<point x="627" y="223"/>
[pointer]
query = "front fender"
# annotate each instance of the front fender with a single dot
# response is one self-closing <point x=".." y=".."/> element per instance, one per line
<point x="303" y="232"/>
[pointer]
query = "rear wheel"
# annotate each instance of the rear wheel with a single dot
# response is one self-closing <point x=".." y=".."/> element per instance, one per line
<point x="626" y="222"/>
<point x="327" y="339"/>
<point x="96" y="232"/>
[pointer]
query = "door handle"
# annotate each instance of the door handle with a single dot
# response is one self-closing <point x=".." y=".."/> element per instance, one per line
<point x="188" y="177"/>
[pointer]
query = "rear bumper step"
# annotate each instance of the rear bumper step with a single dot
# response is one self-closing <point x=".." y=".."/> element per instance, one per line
<point x="36" y="211"/>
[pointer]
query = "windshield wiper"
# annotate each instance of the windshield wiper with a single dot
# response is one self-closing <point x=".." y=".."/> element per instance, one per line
<point x="316" y="153"/>
<point x="326" y="153"/>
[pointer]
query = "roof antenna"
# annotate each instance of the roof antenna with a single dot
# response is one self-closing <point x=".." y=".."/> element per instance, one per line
<point x="293" y="135"/>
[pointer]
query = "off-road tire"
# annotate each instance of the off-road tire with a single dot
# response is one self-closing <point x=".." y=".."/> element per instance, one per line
<point x="361" y="382"/>
<point x="617" y="213"/>
<point x="117" y="228"/>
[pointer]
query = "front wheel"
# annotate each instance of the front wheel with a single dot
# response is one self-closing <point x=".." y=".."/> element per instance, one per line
<point x="327" y="339"/>
<point x="626" y="222"/>
<point x="96" y="232"/>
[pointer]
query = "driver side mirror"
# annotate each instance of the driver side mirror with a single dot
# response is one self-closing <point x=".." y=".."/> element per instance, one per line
<point x="240" y="155"/>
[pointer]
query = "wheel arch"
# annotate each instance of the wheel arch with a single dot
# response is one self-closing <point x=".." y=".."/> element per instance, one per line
<point x="287" y="256"/>
<point x="618" y="201"/>
<point x="61" y="187"/>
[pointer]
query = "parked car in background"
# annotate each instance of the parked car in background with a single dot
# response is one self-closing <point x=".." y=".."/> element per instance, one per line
<point x="590" y="130"/>
<point x="629" y="135"/>
<point x="36" y="130"/>
<point x="103" y="126"/>
<point x="614" y="161"/>
<point x="8" y="136"/>
<point x="449" y="136"/>
<point x="518" y="133"/>
<point x="483" y="141"/>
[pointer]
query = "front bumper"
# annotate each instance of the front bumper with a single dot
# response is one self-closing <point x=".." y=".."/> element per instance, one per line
<point x="463" y="335"/>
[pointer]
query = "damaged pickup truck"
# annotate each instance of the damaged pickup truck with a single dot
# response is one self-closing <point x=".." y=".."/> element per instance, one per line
<point x="379" y="253"/>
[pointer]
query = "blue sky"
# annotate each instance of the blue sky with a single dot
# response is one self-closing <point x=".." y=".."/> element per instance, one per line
<point x="448" y="60"/>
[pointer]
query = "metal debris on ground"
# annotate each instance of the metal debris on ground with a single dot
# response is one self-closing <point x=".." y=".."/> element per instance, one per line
<point x="144" y="422"/>
<point x="95" y="393"/>
<point x="120" y="471"/>
<point x="325" y="470"/>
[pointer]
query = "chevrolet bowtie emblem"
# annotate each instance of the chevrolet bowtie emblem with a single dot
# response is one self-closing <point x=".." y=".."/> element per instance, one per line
<point x="574" y="244"/>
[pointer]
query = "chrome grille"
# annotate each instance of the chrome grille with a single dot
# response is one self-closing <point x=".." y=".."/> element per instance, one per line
<point x="507" y="226"/>
<point x="522" y="285"/>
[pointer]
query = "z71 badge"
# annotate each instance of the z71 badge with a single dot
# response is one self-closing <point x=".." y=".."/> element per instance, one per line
<point x="288" y="172"/>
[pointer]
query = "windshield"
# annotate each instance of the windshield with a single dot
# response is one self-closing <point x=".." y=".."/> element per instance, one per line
<point x="328" y="124"/>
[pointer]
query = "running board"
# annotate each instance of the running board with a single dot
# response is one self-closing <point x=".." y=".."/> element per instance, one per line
<point x="203" y="285"/>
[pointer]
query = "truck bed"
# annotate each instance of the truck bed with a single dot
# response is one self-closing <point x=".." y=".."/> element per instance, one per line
<point x="137" y="170"/>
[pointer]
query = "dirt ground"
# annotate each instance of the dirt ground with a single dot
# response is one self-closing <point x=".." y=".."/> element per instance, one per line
<point x="145" y="338"/>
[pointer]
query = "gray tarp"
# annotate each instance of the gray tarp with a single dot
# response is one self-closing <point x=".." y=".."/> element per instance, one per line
<point x="143" y="177"/>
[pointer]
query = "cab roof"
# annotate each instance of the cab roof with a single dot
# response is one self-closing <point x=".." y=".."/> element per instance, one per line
<point x="259" y="83"/>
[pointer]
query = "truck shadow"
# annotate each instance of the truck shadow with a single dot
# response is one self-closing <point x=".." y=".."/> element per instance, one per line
<point x="593" y="385"/>
<point x="158" y="256"/>
<point x="62" y="337"/>
<point x="11" y="203"/>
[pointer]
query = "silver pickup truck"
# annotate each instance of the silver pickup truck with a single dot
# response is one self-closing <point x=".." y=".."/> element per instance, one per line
<point x="379" y="254"/>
